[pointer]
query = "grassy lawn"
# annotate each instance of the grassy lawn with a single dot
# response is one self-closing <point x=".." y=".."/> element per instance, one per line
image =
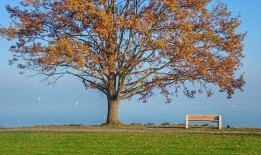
<point x="33" y="142"/>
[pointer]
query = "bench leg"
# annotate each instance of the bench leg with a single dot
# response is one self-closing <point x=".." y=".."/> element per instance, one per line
<point x="220" y="122"/>
<point x="186" y="122"/>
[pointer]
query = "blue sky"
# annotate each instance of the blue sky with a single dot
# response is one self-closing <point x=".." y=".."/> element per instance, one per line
<point x="19" y="95"/>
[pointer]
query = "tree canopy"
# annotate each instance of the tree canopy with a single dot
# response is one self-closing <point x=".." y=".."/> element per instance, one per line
<point x="128" y="47"/>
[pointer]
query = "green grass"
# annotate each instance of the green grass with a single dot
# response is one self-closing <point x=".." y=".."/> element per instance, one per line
<point x="32" y="142"/>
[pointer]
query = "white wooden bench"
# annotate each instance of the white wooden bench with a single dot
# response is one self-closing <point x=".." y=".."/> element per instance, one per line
<point x="204" y="118"/>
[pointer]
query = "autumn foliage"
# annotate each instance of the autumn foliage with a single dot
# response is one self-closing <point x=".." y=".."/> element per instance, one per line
<point x="129" y="47"/>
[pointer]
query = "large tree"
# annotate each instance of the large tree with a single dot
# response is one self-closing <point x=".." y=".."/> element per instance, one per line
<point x="129" y="47"/>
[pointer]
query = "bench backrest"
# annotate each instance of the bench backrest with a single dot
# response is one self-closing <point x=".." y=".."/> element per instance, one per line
<point x="202" y="117"/>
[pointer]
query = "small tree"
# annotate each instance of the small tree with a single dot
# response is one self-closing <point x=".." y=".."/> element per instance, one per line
<point x="129" y="47"/>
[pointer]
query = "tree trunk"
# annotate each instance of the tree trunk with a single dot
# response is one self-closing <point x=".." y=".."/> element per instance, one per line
<point x="113" y="106"/>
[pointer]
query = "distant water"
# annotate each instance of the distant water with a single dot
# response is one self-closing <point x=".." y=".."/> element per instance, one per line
<point x="244" y="119"/>
<point x="240" y="119"/>
<point x="91" y="113"/>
